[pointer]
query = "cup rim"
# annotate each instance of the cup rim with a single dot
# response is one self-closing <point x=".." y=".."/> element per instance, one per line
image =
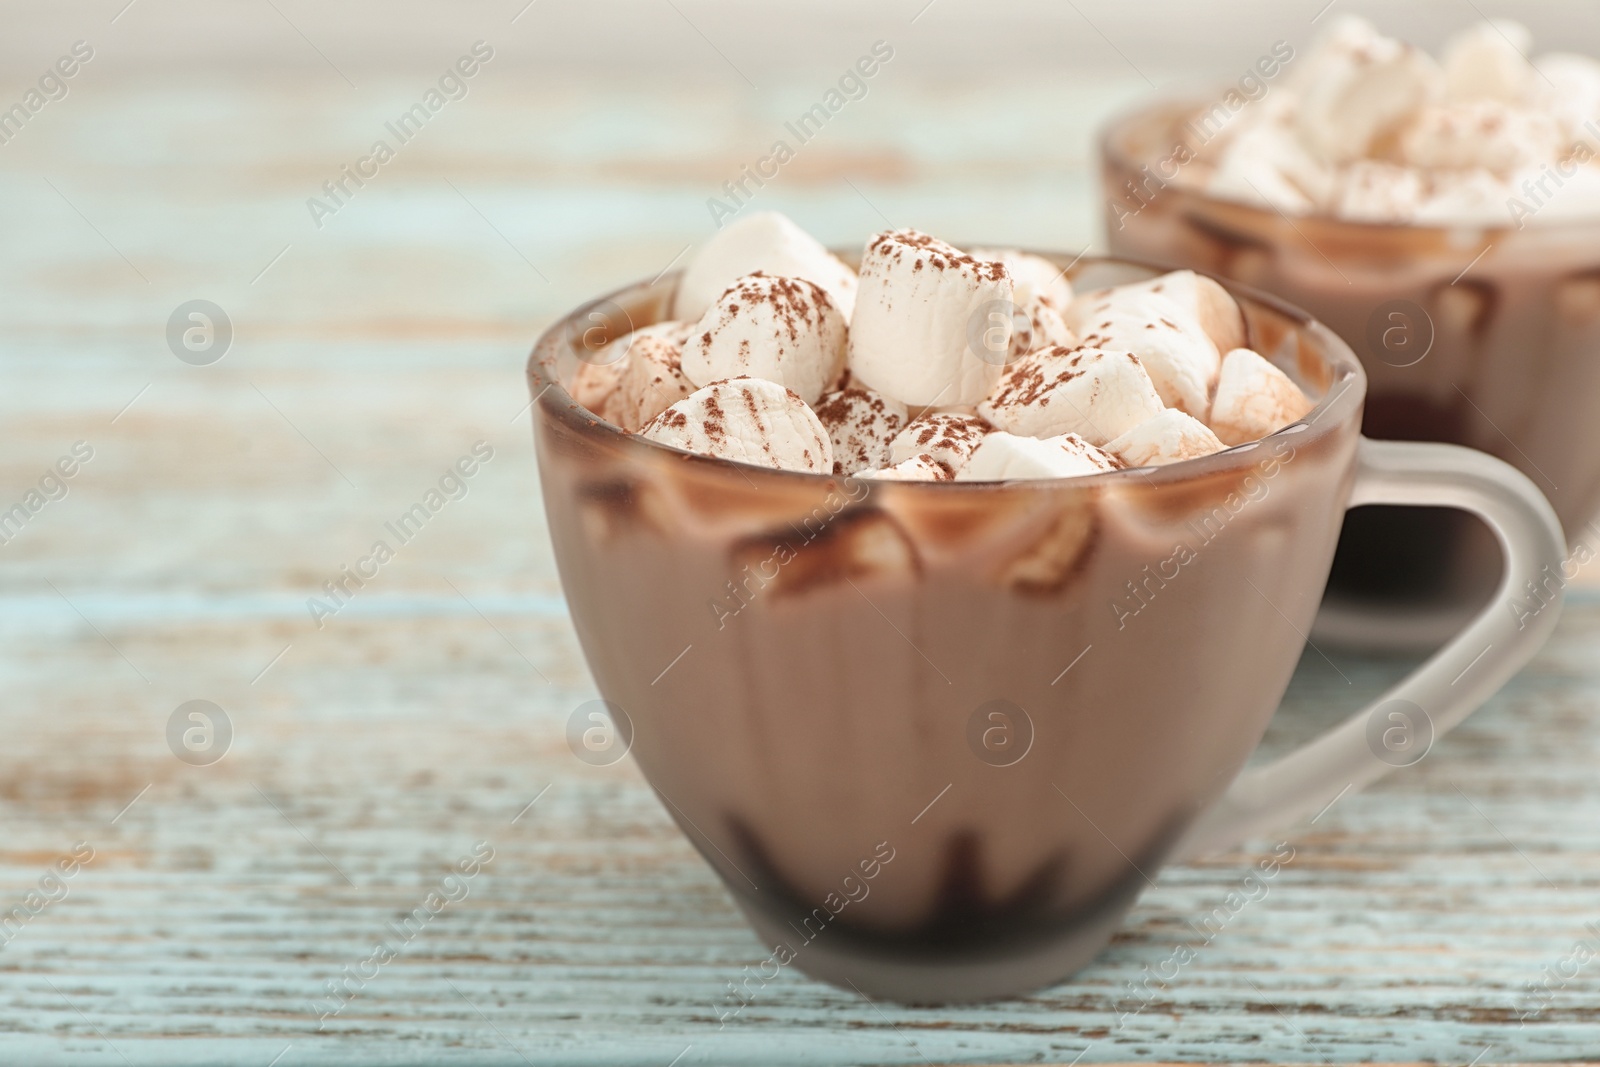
<point x="1345" y="396"/>
<point x="1150" y="108"/>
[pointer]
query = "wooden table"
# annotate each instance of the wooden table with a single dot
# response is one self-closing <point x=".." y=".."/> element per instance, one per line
<point x="369" y="755"/>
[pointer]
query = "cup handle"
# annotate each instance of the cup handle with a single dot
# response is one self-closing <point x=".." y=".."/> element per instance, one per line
<point x="1455" y="680"/>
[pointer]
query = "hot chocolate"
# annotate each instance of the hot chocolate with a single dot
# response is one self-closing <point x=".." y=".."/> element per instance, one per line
<point x="935" y="733"/>
<point x="1444" y="218"/>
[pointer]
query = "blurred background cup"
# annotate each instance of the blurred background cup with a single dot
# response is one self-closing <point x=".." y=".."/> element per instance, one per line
<point x="1481" y="336"/>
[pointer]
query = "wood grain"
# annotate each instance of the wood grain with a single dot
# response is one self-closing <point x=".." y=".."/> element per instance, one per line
<point x="371" y="754"/>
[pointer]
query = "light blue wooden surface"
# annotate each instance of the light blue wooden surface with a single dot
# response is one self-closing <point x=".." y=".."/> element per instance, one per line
<point x="371" y="754"/>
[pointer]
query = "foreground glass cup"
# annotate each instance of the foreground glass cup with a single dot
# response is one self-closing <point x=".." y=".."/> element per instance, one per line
<point x="936" y="738"/>
<point x="1481" y="336"/>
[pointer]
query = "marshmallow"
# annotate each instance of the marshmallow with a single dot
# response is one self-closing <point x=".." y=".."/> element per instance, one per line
<point x="1571" y="88"/>
<point x="1200" y="298"/>
<point x="770" y="345"/>
<point x="747" y="420"/>
<point x="1359" y="86"/>
<point x="1003" y="457"/>
<point x="1483" y="133"/>
<point x="1254" y="399"/>
<point x="949" y="437"/>
<point x="1177" y="355"/>
<point x="1575" y="197"/>
<point x="1168" y="438"/>
<point x="932" y="324"/>
<point x="1037" y="324"/>
<point x="675" y="330"/>
<point x="785" y="330"/>
<point x="1090" y="392"/>
<point x="1266" y="164"/>
<point x="1040" y="294"/>
<point x="1469" y="197"/>
<point x="1031" y="276"/>
<point x="919" y="468"/>
<point x="599" y="376"/>
<point x="1379" y="192"/>
<point x="1329" y="51"/>
<point x="595" y="384"/>
<point x="764" y="241"/>
<point x="1370" y="129"/>
<point x="1488" y="61"/>
<point x="652" y="380"/>
<point x="860" y="423"/>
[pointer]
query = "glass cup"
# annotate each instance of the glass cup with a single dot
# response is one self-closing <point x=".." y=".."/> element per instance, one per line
<point x="1481" y="336"/>
<point x="936" y="738"/>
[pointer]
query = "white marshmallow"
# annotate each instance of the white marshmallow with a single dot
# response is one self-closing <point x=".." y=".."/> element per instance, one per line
<point x="949" y="437"/>
<point x="1040" y="293"/>
<point x="1037" y="324"/>
<point x="1265" y="163"/>
<point x="932" y="324"/>
<point x="1469" y="197"/>
<point x="921" y="468"/>
<point x="594" y="384"/>
<point x="1483" y="133"/>
<point x="1329" y="51"/>
<point x="764" y="241"/>
<point x="1358" y="86"/>
<point x="1571" y="94"/>
<point x="599" y="376"/>
<point x="1367" y="128"/>
<point x="1577" y="197"/>
<point x="1201" y="298"/>
<point x="672" y="330"/>
<point x="652" y="381"/>
<point x="1488" y="61"/>
<point x="747" y="420"/>
<point x="1370" y="191"/>
<point x="860" y="423"/>
<point x="1254" y="399"/>
<point x="1031" y="275"/>
<point x="1179" y="357"/>
<point x="1170" y="437"/>
<point x="1090" y="392"/>
<point x="786" y="330"/>
<point x="1006" y="457"/>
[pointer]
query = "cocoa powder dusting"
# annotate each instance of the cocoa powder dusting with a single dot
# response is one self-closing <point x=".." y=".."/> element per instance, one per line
<point x="1032" y="378"/>
<point x="929" y="251"/>
<point x="794" y="303"/>
<point x="714" y="424"/>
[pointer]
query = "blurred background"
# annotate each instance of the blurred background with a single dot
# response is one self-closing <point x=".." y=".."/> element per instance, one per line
<point x="184" y="158"/>
<point x="592" y="139"/>
<point x="372" y="341"/>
